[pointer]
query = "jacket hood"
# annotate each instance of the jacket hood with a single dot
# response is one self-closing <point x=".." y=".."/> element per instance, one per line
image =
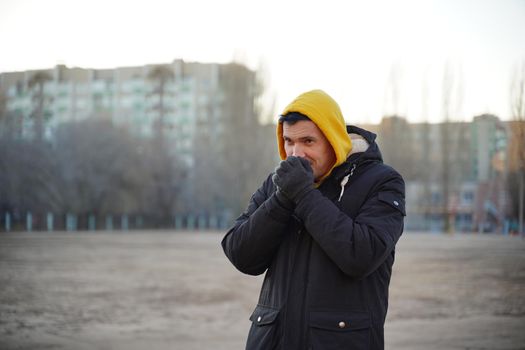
<point x="326" y="114"/>
<point x="370" y="152"/>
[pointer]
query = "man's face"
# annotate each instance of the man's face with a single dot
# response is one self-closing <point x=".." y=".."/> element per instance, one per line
<point x="304" y="139"/>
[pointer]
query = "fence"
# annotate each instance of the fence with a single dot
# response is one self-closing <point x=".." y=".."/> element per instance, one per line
<point x="31" y="221"/>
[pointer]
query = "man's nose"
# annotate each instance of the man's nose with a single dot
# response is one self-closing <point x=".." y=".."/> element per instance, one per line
<point x="298" y="151"/>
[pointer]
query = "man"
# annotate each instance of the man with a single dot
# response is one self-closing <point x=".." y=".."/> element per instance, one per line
<point x="323" y="226"/>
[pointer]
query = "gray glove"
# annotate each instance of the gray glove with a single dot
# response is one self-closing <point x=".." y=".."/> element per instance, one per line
<point x="294" y="178"/>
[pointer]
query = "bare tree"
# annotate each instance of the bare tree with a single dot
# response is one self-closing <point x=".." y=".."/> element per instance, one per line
<point x="165" y="183"/>
<point x="517" y="151"/>
<point x="27" y="178"/>
<point x="90" y="167"/>
<point x="393" y="102"/>
<point x="395" y="135"/>
<point x="101" y="169"/>
<point x="27" y="181"/>
<point x="396" y="142"/>
<point x="3" y="106"/>
<point x="6" y="118"/>
<point x="451" y="103"/>
<point x="37" y="84"/>
<point x="166" y="175"/>
<point x="233" y="150"/>
<point x="161" y="75"/>
<point x="265" y="100"/>
<point x="425" y="147"/>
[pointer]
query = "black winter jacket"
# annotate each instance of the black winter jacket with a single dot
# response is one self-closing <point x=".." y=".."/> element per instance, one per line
<point x="328" y="262"/>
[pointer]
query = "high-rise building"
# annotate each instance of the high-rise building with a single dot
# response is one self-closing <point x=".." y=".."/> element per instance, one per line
<point x="173" y="99"/>
<point x="207" y="151"/>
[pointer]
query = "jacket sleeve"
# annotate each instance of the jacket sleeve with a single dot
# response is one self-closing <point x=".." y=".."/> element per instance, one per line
<point x="358" y="247"/>
<point x="257" y="234"/>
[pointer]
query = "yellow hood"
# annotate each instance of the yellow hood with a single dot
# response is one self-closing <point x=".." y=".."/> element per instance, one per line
<point x="326" y="114"/>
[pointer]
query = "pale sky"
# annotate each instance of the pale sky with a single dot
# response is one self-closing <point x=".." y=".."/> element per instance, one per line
<point x="360" y="52"/>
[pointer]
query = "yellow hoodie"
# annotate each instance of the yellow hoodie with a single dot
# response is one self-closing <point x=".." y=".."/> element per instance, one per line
<point x="326" y="114"/>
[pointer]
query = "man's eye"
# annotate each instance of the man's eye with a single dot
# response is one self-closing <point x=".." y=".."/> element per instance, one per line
<point x="308" y="141"/>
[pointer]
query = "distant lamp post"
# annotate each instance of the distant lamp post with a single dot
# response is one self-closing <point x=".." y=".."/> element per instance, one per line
<point x="521" y="190"/>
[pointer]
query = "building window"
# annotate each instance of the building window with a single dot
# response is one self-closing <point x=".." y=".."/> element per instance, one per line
<point x="467" y="197"/>
<point x="435" y="198"/>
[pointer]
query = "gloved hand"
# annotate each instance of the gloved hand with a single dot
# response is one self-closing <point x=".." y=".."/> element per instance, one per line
<point x="294" y="177"/>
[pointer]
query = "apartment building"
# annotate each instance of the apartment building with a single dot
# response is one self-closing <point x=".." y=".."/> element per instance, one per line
<point x="455" y="172"/>
<point x="205" y="114"/>
<point x="174" y="98"/>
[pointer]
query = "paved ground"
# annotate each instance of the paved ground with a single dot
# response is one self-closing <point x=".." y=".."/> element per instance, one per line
<point x="165" y="290"/>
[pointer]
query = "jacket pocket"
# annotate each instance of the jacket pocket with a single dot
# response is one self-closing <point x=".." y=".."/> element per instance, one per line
<point x="331" y="330"/>
<point x="394" y="200"/>
<point x="263" y="332"/>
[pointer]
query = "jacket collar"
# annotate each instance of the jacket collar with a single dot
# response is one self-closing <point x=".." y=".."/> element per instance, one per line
<point x="372" y="153"/>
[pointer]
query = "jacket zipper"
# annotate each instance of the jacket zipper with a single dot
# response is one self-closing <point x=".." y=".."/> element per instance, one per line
<point x="345" y="181"/>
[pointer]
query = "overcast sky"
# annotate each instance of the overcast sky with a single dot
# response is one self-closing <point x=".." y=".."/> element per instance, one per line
<point x="374" y="57"/>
